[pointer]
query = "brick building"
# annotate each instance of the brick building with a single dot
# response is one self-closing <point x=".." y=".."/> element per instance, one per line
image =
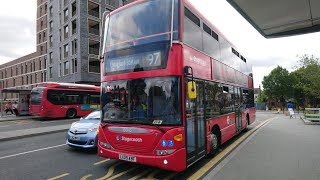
<point x="67" y="45"/>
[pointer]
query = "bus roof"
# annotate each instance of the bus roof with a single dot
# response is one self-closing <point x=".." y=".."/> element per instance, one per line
<point x="192" y="7"/>
<point x="68" y="86"/>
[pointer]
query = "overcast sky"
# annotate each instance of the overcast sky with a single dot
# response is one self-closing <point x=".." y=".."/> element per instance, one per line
<point x="18" y="36"/>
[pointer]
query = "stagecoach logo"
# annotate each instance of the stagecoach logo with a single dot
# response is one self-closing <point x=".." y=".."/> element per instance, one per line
<point x="228" y="120"/>
<point x="127" y="139"/>
<point x="197" y="61"/>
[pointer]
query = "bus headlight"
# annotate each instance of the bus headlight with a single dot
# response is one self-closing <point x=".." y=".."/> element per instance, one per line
<point x="106" y="145"/>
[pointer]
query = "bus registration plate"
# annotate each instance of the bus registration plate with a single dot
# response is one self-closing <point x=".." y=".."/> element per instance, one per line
<point x="127" y="158"/>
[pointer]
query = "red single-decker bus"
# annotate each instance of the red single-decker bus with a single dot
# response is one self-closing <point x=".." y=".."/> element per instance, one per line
<point x="58" y="100"/>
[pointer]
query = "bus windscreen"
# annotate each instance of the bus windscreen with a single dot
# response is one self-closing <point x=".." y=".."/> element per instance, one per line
<point x="142" y="101"/>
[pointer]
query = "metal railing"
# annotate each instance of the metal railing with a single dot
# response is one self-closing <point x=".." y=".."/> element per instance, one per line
<point x="93" y="13"/>
<point x="94" y="31"/>
<point x="94" y="51"/>
<point x="312" y="114"/>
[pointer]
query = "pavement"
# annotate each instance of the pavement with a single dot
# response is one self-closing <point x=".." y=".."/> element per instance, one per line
<point x="16" y="134"/>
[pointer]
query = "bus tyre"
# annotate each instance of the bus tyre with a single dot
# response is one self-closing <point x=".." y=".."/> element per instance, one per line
<point x="71" y="113"/>
<point x="214" y="142"/>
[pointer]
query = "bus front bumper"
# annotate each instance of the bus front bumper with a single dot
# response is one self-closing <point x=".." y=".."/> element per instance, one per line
<point x="173" y="162"/>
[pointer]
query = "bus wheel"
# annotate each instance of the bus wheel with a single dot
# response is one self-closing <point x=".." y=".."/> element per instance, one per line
<point x="71" y="113"/>
<point x="214" y="142"/>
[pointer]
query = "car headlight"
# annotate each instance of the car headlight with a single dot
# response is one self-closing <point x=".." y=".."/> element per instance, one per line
<point x="92" y="129"/>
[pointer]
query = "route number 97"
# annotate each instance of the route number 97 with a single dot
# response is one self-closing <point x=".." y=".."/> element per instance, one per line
<point x="154" y="59"/>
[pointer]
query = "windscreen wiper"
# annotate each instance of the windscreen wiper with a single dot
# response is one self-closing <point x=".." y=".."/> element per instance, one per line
<point x="161" y="129"/>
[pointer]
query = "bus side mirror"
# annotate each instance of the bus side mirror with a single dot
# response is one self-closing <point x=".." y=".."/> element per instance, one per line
<point x="192" y="90"/>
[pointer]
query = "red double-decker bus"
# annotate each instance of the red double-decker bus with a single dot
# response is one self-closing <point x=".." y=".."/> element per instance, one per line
<point x="58" y="100"/>
<point x="173" y="88"/>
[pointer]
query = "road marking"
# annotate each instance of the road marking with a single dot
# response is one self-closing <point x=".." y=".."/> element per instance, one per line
<point x="140" y="175"/>
<point x="69" y="120"/>
<point x="13" y="155"/>
<point x="60" y="176"/>
<point x="100" y="162"/>
<point x="170" y="176"/>
<point x="120" y="174"/>
<point x="111" y="170"/>
<point x="86" y="176"/>
<point x="150" y="177"/>
<point x="225" y="152"/>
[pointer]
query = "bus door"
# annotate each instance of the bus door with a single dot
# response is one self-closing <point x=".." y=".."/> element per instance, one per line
<point x="238" y="108"/>
<point x="195" y="130"/>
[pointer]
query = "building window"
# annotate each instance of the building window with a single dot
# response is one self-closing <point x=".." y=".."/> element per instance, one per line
<point x="40" y="63"/>
<point x="44" y="34"/>
<point x="21" y="69"/>
<point x="66" y="14"/>
<point x="66" y="68"/>
<point x="50" y="72"/>
<point x="14" y="82"/>
<point x="16" y="70"/>
<point x="74" y="8"/>
<point x="74" y="46"/>
<point x="74" y="65"/>
<point x="65" y="50"/>
<point x="36" y="78"/>
<point x="51" y="41"/>
<point x="41" y="25"/>
<point x="39" y="38"/>
<point x="41" y="48"/>
<point x="45" y="76"/>
<point x="51" y="11"/>
<point x="34" y="65"/>
<point x="26" y="68"/>
<point x="45" y="62"/>
<point x="94" y="65"/>
<point x="50" y="58"/>
<point x="60" y="53"/>
<point x="74" y="27"/>
<point x="11" y="72"/>
<point x="27" y="77"/>
<point x="22" y="80"/>
<point x="60" y="70"/>
<point x="51" y="26"/>
<point x="31" y="79"/>
<point x="66" y="31"/>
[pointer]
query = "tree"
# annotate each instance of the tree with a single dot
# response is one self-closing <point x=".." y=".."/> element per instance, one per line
<point x="278" y="84"/>
<point x="307" y="79"/>
<point x="262" y="97"/>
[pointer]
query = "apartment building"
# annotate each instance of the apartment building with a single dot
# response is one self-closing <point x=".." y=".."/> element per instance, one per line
<point x="67" y="45"/>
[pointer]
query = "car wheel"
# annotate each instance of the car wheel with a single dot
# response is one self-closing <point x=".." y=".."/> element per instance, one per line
<point x="71" y="113"/>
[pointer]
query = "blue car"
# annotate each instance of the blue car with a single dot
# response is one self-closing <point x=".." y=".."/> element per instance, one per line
<point x="84" y="133"/>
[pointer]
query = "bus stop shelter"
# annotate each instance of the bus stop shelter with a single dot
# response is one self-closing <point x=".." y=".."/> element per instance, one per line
<point x="274" y="18"/>
<point x="23" y="99"/>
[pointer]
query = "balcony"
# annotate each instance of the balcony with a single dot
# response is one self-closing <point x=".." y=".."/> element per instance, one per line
<point x="94" y="47"/>
<point x="94" y="27"/>
<point x="93" y="9"/>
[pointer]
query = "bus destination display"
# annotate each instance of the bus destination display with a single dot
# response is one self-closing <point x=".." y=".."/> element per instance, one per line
<point x="143" y="60"/>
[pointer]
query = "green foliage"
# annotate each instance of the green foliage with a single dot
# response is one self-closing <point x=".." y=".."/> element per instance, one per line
<point x="278" y="83"/>
<point x="262" y="97"/>
<point x="303" y="83"/>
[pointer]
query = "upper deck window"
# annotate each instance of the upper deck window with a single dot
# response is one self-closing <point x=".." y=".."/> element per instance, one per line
<point x="144" y="23"/>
